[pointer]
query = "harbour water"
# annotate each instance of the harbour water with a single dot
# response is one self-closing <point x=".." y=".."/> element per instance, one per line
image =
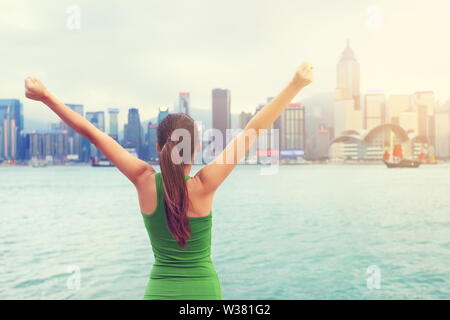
<point x="307" y="232"/>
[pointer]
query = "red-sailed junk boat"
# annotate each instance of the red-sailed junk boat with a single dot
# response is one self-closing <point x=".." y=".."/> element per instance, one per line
<point x="398" y="161"/>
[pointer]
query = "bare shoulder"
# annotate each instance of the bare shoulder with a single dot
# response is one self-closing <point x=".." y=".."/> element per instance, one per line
<point x="211" y="176"/>
<point x="197" y="185"/>
<point x="200" y="198"/>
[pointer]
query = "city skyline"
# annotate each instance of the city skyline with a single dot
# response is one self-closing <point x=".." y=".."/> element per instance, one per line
<point x="356" y="115"/>
<point x="239" y="45"/>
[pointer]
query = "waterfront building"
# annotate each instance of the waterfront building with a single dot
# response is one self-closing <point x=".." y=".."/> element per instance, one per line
<point x="221" y="114"/>
<point x="292" y="133"/>
<point x="113" y="114"/>
<point x="442" y="135"/>
<point x="97" y="118"/>
<point x="152" y="141"/>
<point x="11" y="124"/>
<point x="374" y="110"/>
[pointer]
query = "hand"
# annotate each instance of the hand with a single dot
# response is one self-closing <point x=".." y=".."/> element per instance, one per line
<point x="304" y="75"/>
<point x="34" y="89"/>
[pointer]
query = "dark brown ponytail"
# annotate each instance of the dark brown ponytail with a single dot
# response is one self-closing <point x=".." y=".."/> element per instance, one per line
<point x="176" y="198"/>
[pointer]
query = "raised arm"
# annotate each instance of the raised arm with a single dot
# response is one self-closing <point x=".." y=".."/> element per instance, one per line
<point x="132" y="167"/>
<point x="213" y="174"/>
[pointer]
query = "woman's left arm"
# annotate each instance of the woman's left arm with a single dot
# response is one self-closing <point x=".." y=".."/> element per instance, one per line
<point x="132" y="167"/>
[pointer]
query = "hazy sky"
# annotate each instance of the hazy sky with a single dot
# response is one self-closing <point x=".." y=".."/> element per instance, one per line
<point x="142" y="53"/>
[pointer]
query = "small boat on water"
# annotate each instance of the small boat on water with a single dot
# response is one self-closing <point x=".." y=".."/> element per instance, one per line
<point x="397" y="160"/>
<point x="403" y="164"/>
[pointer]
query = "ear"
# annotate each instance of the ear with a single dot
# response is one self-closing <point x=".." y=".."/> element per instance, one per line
<point x="158" y="148"/>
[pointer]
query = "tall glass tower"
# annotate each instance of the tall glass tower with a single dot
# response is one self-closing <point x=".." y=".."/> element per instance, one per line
<point x="152" y="129"/>
<point x="221" y="114"/>
<point x="98" y="120"/>
<point x="114" y="123"/>
<point x="75" y="140"/>
<point x="163" y="112"/>
<point x="133" y="130"/>
<point x="348" y="77"/>
<point x="11" y="124"/>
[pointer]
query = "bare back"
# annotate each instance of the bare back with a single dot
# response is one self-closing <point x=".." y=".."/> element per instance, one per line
<point x="200" y="199"/>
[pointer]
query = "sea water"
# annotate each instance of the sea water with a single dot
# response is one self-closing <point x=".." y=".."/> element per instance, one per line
<point x="306" y="232"/>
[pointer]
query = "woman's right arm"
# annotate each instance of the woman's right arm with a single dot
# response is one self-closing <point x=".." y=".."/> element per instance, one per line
<point x="133" y="168"/>
<point x="213" y="174"/>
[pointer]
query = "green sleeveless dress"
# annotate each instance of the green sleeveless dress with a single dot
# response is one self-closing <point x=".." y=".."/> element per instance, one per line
<point x="187" y="274"/>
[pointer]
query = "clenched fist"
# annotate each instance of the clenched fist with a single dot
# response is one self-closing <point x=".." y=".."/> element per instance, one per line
<point x="34" y="89"/>
<point x="304" y="75"/>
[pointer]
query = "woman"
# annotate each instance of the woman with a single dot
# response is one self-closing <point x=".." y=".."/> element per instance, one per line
<point x="176" y="208"/>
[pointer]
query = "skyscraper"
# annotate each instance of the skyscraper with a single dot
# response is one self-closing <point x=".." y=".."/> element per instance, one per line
<point x="11" y="124"/>
<point x="221" y="114"/>
<point x="35" y="145"/>
<point x="114" y="123"/>
<point x="292" y="133"/>
<point x="184" y="104"/>
<point x="375" y="110"/>
<point x="322" y="141"/>
<point x="75" y="141"/>
<point x="98" y="120"/>
<point x="408" y="121"/>
<point x="133" y="130"/>
<point x="346" y="118"/>
<point x="442" y="135"/>
<point x="396" y="104"/>
<point x="151" y="141"/>
<point x="347" y="110"/>
<point x="244" y="118"/>
<point x="55" y="146"/>
<point x="348" y="76"/>
<point x="78" y="108"/>
<point x="425" y="104"/>
<point x="163" y="112"/>
<point x="268" y="144"/>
